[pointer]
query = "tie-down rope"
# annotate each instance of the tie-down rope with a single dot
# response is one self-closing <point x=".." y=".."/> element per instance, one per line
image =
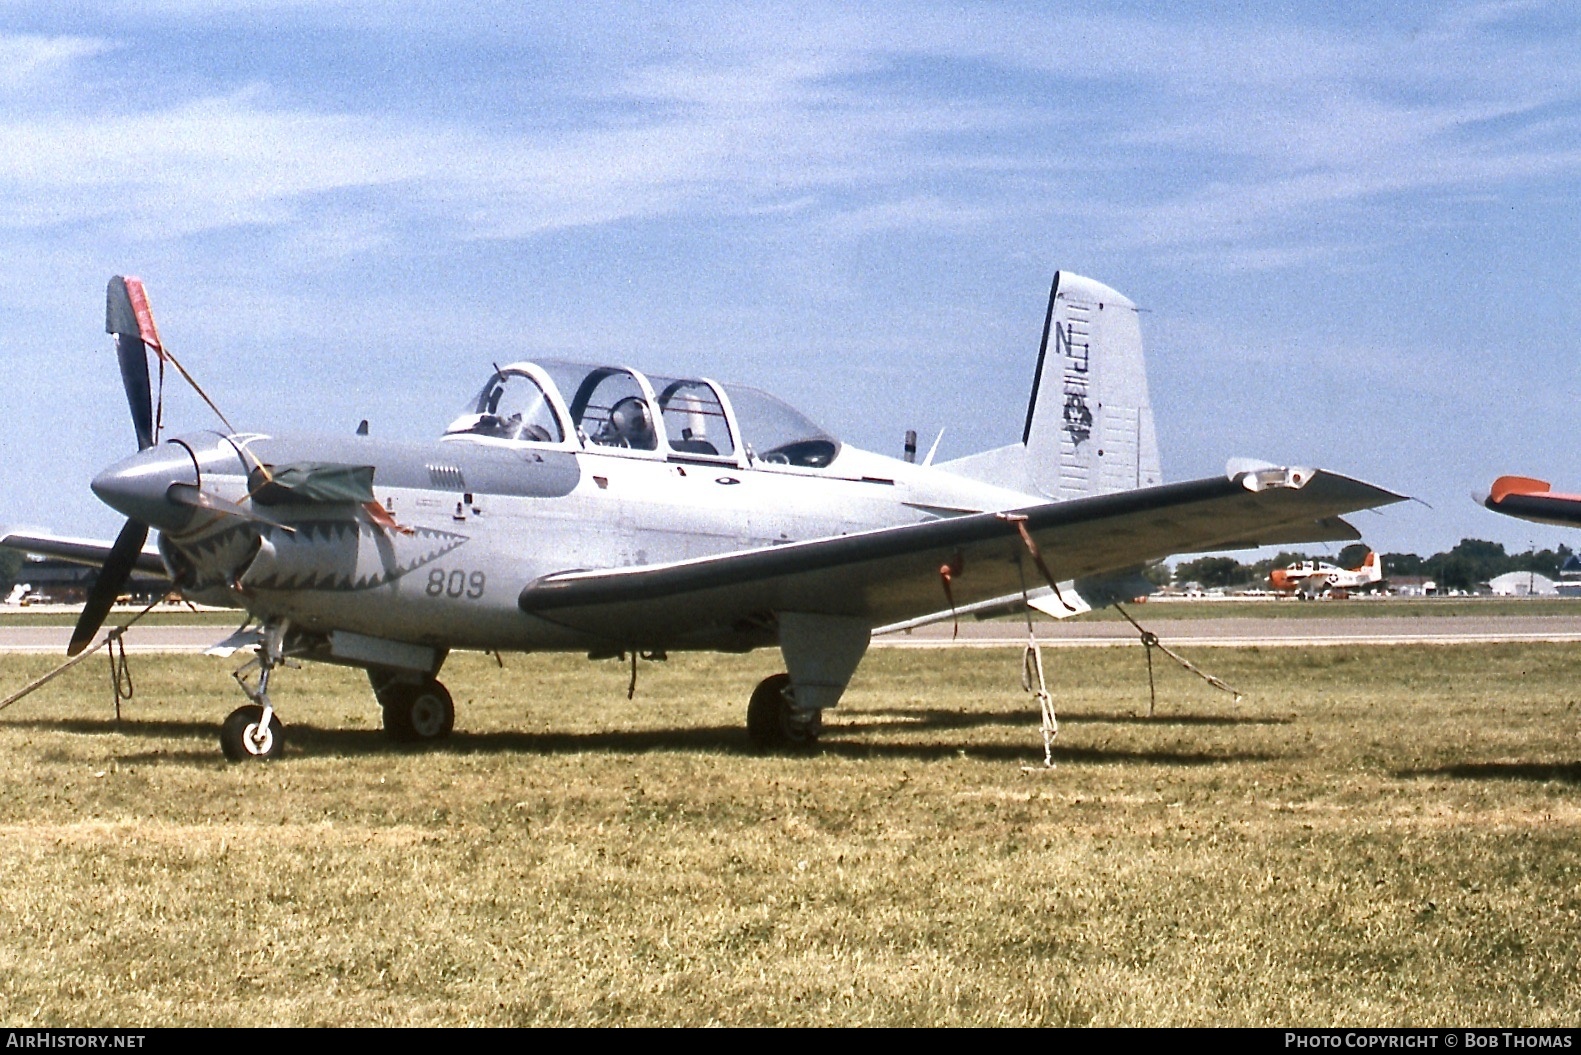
<point x="1032" y="670"/>
<point x="1032" y="657"/>
<point x="120" y="676"/>
<point x="1150" y="641"/>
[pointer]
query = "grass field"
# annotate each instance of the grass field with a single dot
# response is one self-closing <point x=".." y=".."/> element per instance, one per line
<point x="1380" y="836"/>
<point x="1266" y="608"/>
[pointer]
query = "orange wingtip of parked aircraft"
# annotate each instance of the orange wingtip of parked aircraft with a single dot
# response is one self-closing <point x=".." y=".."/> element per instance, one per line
<point x="1532" y="499"/>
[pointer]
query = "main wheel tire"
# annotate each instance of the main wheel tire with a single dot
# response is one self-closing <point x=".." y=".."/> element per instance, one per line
<point x="774" y="722"/>
<point x="415" y="714"/>
<point x="244" y="739"/>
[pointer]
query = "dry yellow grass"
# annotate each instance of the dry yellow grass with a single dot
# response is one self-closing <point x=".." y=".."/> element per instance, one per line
<point x="1376" y="836"/>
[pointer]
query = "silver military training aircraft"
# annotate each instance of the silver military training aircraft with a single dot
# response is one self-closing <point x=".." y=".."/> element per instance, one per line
<point x="600" y="509"/>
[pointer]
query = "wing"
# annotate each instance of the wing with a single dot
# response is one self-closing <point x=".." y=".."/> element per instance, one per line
<point x="1528" y="499"/>
<point x="892" y="575"/>
<point x="81" y="551"/>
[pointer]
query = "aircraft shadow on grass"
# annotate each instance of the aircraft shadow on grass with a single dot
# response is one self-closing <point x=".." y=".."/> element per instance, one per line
<point x="313" y="741"/>
<point x="925" y="717"/>
<point x="123" y="727"/>
<point x="1536" y="772"/>
<point x="1030" y="752"/>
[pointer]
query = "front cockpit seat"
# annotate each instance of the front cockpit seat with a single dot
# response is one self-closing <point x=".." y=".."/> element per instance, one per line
<point x="630" y="424"/>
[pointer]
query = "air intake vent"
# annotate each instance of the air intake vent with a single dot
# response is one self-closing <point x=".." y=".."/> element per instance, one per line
<point x="446" y="477"/>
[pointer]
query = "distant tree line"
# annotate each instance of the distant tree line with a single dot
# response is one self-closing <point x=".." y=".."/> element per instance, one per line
<point x="1470" y="562"/>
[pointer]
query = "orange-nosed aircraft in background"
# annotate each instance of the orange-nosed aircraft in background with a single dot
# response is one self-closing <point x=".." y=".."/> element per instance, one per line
<point x="1312" y="577"/>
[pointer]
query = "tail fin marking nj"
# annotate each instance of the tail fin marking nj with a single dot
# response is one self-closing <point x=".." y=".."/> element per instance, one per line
<point x="1089" y="422"/>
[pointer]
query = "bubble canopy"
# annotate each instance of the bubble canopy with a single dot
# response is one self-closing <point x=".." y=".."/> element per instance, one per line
<point x="616" y="409"/>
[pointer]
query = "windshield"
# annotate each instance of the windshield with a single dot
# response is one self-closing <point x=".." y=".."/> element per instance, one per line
<point x="510" y="407"/>
<point x="777" y="433"/>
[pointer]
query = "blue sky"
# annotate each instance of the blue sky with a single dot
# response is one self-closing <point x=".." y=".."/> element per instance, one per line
<point x="1353" y="230"/>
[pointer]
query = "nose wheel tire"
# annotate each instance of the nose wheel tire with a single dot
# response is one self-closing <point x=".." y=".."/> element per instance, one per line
<point x="244" y="737"/>
<point x="774" y="722"/>
<point x="415" y="714"/>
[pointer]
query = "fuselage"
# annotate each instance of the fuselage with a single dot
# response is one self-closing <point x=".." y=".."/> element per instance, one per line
<point x="444" y="537"/>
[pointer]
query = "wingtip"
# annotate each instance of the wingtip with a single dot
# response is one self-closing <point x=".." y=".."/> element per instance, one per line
<point x="1505" y="486"/>
<point x="1257" y="475"/>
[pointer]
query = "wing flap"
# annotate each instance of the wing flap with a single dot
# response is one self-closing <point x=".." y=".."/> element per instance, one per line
<point x="894" y="574"/>
<point x="1324" y="529"/>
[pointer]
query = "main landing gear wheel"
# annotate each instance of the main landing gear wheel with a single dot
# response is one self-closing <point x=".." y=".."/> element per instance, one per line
<point x="415" y="714"/>
<point x="775" y="722"/>
<point x="244" y="736"/>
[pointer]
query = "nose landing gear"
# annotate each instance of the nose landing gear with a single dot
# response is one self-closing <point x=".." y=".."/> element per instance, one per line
<point x="247" y="734"/>
<point x="253" y="732"/>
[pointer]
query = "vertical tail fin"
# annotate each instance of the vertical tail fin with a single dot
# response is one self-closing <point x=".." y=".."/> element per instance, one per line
<point x="1089" y="422"/>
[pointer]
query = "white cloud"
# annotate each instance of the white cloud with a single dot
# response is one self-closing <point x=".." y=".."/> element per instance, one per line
<point x="29" y="61"/>
<point x="1156" y="133"/>
<point x="711" y="144"/>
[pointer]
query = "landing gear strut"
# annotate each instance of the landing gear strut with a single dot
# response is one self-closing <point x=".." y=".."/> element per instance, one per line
<point x="416" y="712"/>
<point x="253" y="732"/>
<point x="775" y="722"/>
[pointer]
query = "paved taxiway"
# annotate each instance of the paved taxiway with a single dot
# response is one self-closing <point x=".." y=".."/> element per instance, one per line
<point x="1245" y="632"/>
<point x="1236" y="632"/>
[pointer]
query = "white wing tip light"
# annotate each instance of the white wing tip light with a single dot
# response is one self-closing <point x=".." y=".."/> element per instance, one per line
<point x="1257" y="475"/>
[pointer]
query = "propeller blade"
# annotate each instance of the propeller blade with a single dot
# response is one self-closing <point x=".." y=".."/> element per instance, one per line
<point x="197" y="498"/>
<point x="117" y="569"/>
<point x="121" y="318"/>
